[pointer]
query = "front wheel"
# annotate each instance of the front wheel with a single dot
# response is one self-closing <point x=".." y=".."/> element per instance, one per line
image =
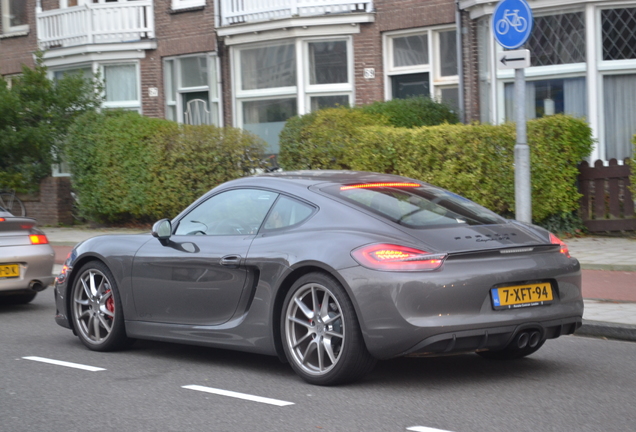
<point x="320" y="331"/>
<point x="96" y="309"/>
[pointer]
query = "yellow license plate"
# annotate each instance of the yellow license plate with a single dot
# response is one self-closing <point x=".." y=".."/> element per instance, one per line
<point x="518" y="296"/>
<point x="9" y="270"/>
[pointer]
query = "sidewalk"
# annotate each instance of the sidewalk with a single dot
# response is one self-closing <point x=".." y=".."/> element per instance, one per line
<point x="609" y="277"/>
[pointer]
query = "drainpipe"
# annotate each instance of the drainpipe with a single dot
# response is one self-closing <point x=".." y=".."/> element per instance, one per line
<point x="460" y="62"/>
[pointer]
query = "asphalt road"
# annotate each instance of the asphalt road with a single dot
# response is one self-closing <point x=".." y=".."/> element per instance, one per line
<point x="571" y="384"/>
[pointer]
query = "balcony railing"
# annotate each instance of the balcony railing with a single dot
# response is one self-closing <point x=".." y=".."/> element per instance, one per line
<point x="247" y="11"/>
<point x="95" y="23"/>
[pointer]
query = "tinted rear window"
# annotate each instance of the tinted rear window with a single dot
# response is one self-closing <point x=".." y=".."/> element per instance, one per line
<point x="416" y="207"/>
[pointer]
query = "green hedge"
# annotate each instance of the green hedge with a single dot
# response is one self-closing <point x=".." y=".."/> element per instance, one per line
<point x="412" y="112"/>
<point x="127" y="167"/>
<point x="476" y="161"/>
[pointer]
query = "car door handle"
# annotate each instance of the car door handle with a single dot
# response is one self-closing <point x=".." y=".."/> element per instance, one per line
<point x="231" y="261"/>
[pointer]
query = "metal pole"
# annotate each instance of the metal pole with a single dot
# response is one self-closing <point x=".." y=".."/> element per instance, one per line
<point x="523" y="195"/>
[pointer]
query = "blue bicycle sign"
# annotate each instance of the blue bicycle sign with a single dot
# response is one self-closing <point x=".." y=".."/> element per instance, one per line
<point x="512" y="23"/>
<point x="511" y="19"/>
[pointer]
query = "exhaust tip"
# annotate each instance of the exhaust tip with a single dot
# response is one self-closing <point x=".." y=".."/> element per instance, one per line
<point x="522" y="340"/>
<point x="535" y="338"/>
<point x="36" y="286"/>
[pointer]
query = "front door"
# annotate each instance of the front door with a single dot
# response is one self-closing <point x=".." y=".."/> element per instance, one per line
<point x="198" y="276"/>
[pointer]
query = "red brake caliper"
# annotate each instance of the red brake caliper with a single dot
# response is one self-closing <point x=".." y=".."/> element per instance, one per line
<point x="110" y="303"/>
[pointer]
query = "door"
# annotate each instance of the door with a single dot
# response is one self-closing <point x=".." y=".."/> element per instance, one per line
<point x="198" y="276"/>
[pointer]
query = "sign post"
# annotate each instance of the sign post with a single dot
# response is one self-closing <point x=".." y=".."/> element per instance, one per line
<point x="512" y="23"/>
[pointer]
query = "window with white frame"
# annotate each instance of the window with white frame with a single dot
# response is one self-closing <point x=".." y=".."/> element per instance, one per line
<point x="121" y="82"/>
<point x="191" y="88"/>
<point x="186" y="4"/>
<point x="618" y="85"/>
<point x="422" y="63"/>
<point x="273" y="85"/>
<point x="558" y="45"/>
<point x="14" y="16"/>
<point x="121" y="86"/>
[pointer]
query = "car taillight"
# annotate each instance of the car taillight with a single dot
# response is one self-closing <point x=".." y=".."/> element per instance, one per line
<point x="564" y="248"/>
<point x="38" y="239"/>
<point x="391" y="257"/>
<point x="380" y="185"/>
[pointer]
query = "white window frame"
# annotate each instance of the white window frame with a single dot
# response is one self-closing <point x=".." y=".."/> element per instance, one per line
<point x="6" y="21"/>
<point x="186" y="4"/>
<point x="302" y="91"/>
<point x="538" y="73"/>
<point x="605" y="68"/>
<point x="213" y="88"/>
<point x="433" y="67"/>
<point x="127" y="105"/>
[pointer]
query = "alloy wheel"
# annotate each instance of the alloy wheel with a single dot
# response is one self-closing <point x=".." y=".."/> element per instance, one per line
<point x="315" y="331"/>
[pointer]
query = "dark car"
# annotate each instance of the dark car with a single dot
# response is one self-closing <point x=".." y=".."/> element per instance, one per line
<point x="329" y="270"/>
<point x="26" y="259"/>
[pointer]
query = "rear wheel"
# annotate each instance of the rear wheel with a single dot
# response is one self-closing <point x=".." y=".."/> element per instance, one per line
<point x="96" y="309"/>
<point x="320" y="332"/>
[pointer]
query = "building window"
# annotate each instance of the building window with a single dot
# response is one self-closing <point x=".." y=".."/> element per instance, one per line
<point x="121" y="86"/>
<point x="619" y="34"/>
<point x="186" y="4"/>
<point x="422" y="63"/>
<point x="192" y="89"/>
<point x="619" y="104"/>
<point x="558" y="39"/>
<point x="274" y="85"/>
<point x="549" y="97"/>
<point x="14" y="16"/>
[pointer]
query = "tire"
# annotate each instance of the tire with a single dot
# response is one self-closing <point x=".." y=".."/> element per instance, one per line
<point x="96" y="309"/>
<point x="321" y="334"/>
<point x="12" y="204"/>
<point x="18" y="299"/>
<point x="510" y="352"/>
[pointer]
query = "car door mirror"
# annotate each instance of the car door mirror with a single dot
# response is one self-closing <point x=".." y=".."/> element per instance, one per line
<point x="162" y="229"/>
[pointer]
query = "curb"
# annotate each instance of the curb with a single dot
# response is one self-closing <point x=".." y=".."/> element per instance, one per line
<point x="624" y="332"/>
<point x="609" y="267"/>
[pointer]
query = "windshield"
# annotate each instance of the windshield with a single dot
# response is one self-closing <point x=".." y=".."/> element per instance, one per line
<point x="415" y="205"/>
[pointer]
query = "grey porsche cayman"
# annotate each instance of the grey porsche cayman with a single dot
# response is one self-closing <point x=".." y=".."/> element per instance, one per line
<point x="330" y="271"/>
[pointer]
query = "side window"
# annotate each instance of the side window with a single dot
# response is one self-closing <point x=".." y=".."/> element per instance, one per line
<point x="287" y="212"/>
<point x="235" y="212"/>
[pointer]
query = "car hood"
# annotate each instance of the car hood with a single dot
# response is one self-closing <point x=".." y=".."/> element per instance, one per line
<point x="480" y="237"/>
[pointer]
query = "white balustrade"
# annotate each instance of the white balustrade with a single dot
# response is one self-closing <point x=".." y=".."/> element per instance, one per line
<point x="91" y="23"/>
<point x="245" y="11"/>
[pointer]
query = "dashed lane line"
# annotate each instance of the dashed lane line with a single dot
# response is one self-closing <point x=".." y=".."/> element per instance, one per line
<point x="238" y="395"/>
<point x="65" y="364"/>
<point x="424" y="429"/>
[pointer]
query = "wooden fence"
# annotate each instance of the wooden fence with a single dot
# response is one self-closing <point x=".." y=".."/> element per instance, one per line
<point x="607" y="203"/>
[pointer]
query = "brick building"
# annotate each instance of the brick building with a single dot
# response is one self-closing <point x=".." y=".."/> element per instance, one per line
<point x="245" y="64"/>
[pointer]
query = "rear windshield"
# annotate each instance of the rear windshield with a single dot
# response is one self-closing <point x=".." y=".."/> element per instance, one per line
<point x="416" y="206"/>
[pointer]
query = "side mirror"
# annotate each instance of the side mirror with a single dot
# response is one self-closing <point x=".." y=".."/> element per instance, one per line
<point x="162" y="229"/>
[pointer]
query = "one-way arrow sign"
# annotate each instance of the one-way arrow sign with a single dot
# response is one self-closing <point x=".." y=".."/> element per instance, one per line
<point x="517" y="59"/>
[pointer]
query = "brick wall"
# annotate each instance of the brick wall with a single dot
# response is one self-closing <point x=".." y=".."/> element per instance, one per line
<point x="177" y="33"/>
<point x="18" y="50"/>
<point x="471" y="68"/>
<point x="53" y="205"/>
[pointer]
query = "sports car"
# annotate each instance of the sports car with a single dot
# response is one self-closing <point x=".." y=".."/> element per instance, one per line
<point x="26" y="259"/>
<point x="330" y="271"/>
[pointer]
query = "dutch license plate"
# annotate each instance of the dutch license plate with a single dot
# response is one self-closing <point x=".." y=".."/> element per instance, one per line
<point x="519" y="296"/>
<point x="9" y="270"/>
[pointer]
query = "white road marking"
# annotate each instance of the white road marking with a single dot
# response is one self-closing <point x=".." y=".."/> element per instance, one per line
<point x="424" y="429"/>
<point x="238" y="395"/>
<point x="66" y="364"/>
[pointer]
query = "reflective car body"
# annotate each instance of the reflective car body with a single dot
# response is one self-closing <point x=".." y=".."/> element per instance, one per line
<point x="419" y="282"/>
<point x="26" y="259"/>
